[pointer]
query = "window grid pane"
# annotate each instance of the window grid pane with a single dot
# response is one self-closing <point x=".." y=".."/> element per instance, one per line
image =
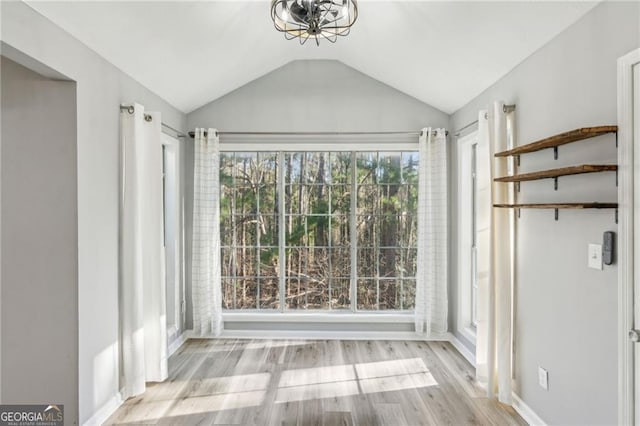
<point x="320" y="230"/>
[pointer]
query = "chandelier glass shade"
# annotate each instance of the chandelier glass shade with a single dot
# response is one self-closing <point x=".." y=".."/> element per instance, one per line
<point x="314" y="19"/>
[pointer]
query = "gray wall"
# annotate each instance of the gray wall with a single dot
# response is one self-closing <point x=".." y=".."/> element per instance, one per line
<point x="39" y="240"/>
<point x="101" y="87"/>
<point x="316" y="95"/>
<point x="308" y="96"/>
<point x="566" y="314"/>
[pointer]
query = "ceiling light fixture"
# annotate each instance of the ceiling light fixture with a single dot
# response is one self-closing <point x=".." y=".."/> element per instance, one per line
<point x="315" y="19"/>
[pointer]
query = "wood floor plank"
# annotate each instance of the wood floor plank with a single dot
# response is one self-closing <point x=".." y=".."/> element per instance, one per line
<point x="461" y="370"/>
<point x="390" y="415"/>
<point x="498" y="414"/>
<point x="337" y="418"/>
<point x="327" y="382"/>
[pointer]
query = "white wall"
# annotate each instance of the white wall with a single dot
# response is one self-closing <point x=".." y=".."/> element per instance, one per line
<point x="565" y="317"/>
<point x="100" y="89"/>
<point x="39" y="240"/>
<point x="307" y="96"/>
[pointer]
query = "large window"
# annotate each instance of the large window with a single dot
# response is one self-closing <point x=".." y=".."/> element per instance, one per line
<point x="469" y="190"/>
<point x="319" y="230"/>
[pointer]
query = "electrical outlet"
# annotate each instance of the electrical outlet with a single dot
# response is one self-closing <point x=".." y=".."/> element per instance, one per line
<point x="543" y="378"/>
<point x="595" y="256"/>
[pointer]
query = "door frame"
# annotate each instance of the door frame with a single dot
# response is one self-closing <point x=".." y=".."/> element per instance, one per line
<point x="627" y="218"/>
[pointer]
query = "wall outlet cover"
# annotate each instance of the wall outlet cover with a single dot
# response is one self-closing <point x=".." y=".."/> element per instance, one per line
<point x="543" y="378"/>
<point x="595" y="256"/>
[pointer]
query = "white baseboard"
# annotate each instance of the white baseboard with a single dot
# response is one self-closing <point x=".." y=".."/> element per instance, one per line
<point x="526" y="412"/>
<point x="110" y="407"/>
<point x="518" y="404"/>
<point x="104" y="412"/>
<point x="318" y="335"/>
<point x="176" y="343"/>
<point x="464" y="351"/>
<point x="310" y="317"/>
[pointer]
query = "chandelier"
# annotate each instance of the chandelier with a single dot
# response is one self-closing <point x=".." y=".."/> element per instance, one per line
<point x="315" y="19"/>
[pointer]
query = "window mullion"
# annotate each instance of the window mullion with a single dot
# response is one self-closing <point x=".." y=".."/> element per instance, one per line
<point x="378" y="229"/>
<point x="353" y="233"/>
<point x="258" y="236"/>
<point x="234" y="238"/>
<point x="281" y="230"/>
<point x="329" y="166"/>
<point x="401" y="218"/>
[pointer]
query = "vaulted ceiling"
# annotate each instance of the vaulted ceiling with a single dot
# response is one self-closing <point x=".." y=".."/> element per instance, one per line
<point x="191" y="53"/>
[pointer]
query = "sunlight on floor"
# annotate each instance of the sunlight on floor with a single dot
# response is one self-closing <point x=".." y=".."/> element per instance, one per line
<point x="353" y="379"/>
<point x="276" y="344"/>
<point x="249" y="390"/>
<point x="207" y="395"/>
<point x="233" y="384"/>
<point x="211" y="348"/>
<point x="317" y="391"/>
<point x="312" y="376"/>
<point x="225" y="401"/>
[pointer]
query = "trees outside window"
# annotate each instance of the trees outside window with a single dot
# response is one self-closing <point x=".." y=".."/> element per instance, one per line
<point x="319" y="230"/>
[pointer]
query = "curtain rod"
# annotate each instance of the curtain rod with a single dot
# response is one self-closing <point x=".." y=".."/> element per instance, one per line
<point x="505" y="108"/>
<point x="192" y="134"/>
<point x="178" y="134"/>
<point x="130" y="109"/>
<point x="473" y="123"/>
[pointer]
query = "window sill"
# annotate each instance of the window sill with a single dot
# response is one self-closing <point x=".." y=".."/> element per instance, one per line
<point x="317" y="317"/>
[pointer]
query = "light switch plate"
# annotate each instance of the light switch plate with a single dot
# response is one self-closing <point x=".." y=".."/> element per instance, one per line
<point x="595" y="256"/>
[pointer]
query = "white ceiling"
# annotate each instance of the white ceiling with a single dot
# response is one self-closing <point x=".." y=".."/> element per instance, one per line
<point x="190" y="53"/>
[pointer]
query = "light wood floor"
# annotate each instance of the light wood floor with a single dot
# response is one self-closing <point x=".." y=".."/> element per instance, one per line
<point x="329" y="382"/>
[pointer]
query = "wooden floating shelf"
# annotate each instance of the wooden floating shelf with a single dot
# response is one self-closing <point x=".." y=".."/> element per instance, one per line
<point x="554" y="173"/>
<point x="559" y="206"/>
<point x="561" y="139"/>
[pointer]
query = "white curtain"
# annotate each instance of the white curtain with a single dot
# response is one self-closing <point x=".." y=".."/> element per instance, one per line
<point x="495" y="257"/>
<point x="431" y="275"/>
<point x="206" y="291"/>
<point x="142" y="278"/>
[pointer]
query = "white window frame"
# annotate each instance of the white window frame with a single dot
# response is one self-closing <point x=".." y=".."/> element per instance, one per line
<point x="336" y="143"/>
<point x="175" y="324"/>
<point x="467" y="235"/>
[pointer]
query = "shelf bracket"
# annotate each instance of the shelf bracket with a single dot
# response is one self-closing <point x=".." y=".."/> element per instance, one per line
<point x="616" y="216"/>
<point x="555" y="183"/>
<point x="555" y="152"/>
<point x="518" y="186"/>
<point x="518" y="212"/>
<point x="556" y="214"/>
<point x="518" y="160"/>
<point x="616" y="177"/>
<point x="616" y="139"/>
